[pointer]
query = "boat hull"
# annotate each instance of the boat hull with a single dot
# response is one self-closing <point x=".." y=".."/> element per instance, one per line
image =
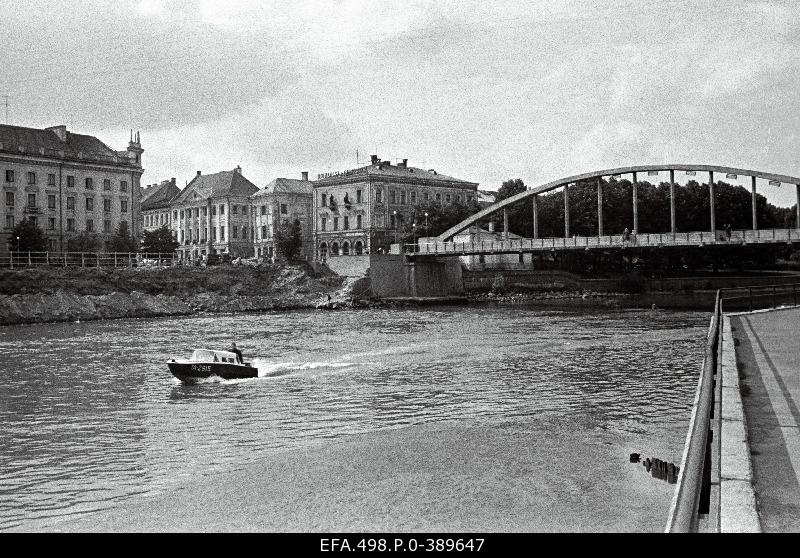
<point x="195" y="371"/>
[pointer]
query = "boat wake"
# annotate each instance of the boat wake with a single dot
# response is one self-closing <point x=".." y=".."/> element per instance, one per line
<point x="275" y="369"/>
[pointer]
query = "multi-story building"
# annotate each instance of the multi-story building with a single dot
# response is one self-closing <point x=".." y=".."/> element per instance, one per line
<point x="357" y="211"/>
<point x="155" y="205"/>
<point x="282" y="201"/>
<point x="67" y="183"/>
<point x="211" y="216"/>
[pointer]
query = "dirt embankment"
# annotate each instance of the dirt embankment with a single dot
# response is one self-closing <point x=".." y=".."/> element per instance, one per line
<point x="52" y="295"/>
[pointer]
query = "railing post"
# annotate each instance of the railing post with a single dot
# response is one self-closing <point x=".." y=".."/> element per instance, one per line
<point x="115" y="260"/>
<point x="83" y="260"/>
<point x="65" y="259"/>
<point x="29" y="257"/>
<point x="130" y="262"/>
<point x="98" y="260"/>
<point x="751" y="297"/>
<point x="774" y="304"/>
<point x="47" y="259"/>
<point x="794" y="293"/>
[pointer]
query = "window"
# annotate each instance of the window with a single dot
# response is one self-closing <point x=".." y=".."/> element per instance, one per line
<point x="9" y="221"/>
<point x="244" y="210"/>
<point x="106" y="184"/>
<point x="51" y="201"/>
<point x="31" y="178"/>
<point x="413" y="198"/>
<point x="346" y="223"/>
<point x="214" y="233"/>
<point x="31" y="200"/>
<point x="71" y="225"/>
<point x="263" y="210"/>
<point x="403" y="197"/>
<point x="235" y="212"/>
<point x="70" y="202"/>
<point x="34" y="221"/>
<point x="222" y="212"/>
<point x="89" y="204"/>
<point x="123" y="206"/>
<point x="323" y="200"/>
<point x="222" y="233"/>
<point x="244" y="233"/>
<point x="205" y="212"/>
<point x="283" y="209"/>
<point x="336" y="223"/>
<point x="358" y="221"/>
<point x="197" y="212"/>
<point x="89" y="225"/>
<point x="392" y="196"/>
<point x="438" y="197"/>
<point x="378" y="196"/>
<point x="235" y="230"/>
<point x="427" y="196"/>
<point x="51" y="180"/>
<point x="107" y="207"/>
<point x="358" y="196"/>
<point x="107" y="226"/>
<point x="458" y="199"/>
<point x="9" y="178"/>
<point x="51" y="223"/>
<point x="89" y="183"/>
<point x="123" y="227"/>
<point x="469" y="198"/>
<point x="175" y="215"/>
<point x="213" y="210"/>
<point x="183" y="235"/>
<point x="263" y="231"/>
<point x="447" y="198"/>
<point x="197" y="234"/>
<point x="70" y="182"/>
<point x="392" y="220"/>
<point x="9" y="198"/>
<point x="123" y="186"/>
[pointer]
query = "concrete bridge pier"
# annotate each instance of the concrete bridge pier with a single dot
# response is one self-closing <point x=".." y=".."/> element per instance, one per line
<point x="566" y="210"/>
<point x="535" y="208"/>
<point x="672" y="201"/>
<point x="599" y="206"/>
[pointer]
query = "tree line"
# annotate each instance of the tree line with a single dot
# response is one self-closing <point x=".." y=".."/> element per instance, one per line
<point x="692" y="208"/>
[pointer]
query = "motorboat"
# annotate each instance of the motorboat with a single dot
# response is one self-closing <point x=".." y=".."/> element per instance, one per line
<point x="208" y="362"/>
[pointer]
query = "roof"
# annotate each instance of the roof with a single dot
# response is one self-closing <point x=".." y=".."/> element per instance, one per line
<point x="48" y="143"/>
<point x="158" y="196"/>
<point x="225" y="183"/>
<point x="386" y="169"/>
<point x="286" y="186"/>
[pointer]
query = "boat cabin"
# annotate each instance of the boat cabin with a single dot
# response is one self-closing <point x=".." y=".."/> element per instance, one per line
<point x="209" y="355"/>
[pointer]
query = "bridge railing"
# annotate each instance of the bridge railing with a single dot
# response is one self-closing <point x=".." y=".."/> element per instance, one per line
<point x="20" y="259"/>
<point x="692" y="495"/>
<point x="642" y="239"/>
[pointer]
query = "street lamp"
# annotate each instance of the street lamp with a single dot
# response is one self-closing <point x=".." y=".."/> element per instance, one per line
<point x="414" y="228"/>
<point x="426" y="223"/>
<point x="17" y="244"/>
<point x="395" y="226"/>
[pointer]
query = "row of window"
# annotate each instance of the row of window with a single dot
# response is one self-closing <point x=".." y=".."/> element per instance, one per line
<point x="156" y="220"/>
<point x="396" y="197"/>
<point x="51" y="181"/>
<point x="235" y="209"/>
<point x="51" y="202"/>
<point x="196" y="235"/>
<point x="346" y="223"/>
<point x="51" y="224"/>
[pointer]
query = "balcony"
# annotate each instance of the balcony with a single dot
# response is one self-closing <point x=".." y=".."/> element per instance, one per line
<point x="32" y="210"/>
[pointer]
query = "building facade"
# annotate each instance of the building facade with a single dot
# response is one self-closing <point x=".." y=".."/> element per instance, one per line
<point x="358" y="211"/>
<point x="156" y="204"/>
<point x="67" y="184"/>
<point x="282" y="201"/>
<point x="212" y="216"/>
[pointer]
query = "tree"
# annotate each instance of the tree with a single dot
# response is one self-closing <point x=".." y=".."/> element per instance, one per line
<point x="159" y="241"/>
<point x="122" y="241"/>
<point x="510" y="187"/>
<point x="31" y="237"/>
<point x="289" y="239"/>
<point x="84" y="242"/>
<point x="440" y="218"/>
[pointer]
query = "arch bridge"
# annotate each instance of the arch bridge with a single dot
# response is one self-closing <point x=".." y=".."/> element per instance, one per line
<point x="444" y="245"/>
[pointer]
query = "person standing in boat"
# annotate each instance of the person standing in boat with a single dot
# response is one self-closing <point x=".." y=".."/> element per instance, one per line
<point x="238" y="353"/>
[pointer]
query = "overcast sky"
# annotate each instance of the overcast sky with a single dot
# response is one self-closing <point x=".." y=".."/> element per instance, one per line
<point x="483" y="91"/>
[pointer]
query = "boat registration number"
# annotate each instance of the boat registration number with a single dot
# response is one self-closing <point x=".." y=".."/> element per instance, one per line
<point x="201" y="368"/>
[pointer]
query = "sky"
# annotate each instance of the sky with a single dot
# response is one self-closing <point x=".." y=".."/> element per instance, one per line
<point x="483" y="91"/>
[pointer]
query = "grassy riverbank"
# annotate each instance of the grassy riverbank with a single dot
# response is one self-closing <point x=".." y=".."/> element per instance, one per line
<point x="67" y="294"/>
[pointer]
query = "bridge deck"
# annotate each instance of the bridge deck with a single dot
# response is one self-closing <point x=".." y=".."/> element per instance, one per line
<point x="769" y="357"/>
<point x="739" y="237"/>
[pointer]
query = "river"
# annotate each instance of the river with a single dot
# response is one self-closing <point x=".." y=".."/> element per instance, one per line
<point x="552" y="402"/>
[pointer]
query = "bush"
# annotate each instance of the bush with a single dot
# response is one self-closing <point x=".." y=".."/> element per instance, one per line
<point x="632" y="283"/>
<point x="499" y="284"/>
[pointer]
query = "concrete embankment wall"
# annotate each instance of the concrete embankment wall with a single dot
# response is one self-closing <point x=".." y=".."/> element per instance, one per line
<point x="394" y="276"/>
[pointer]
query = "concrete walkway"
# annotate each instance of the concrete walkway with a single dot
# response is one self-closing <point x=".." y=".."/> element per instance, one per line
<point x="768" y="355"/>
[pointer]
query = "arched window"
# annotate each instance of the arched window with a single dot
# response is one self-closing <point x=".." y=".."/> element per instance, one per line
<point x="358" y="248"/>
<point x="345" y="248"/>
<point x="335" y="249"/>
<point x="323" y="249"/>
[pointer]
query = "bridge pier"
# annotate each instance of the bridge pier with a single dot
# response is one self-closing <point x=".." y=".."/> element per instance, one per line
<point x="566" y="210"/>
<point x="753" y="189"/>
<point x="672" y="201"/>
<point x="599" y="206"/>
<point x="535" y="207"/>
<point x="635" y="205"/>
<point x="711" y="202"/>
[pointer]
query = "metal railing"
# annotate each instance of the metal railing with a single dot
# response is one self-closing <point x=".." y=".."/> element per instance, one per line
<point x="16" y="260"/>
<point x="738" y="237"/>
<point x="692" y="495"/>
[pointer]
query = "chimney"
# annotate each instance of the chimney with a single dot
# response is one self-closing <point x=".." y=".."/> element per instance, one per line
<point x="238" y="169"/>
<point x="304" y="174"/>
<point x="374" y="159"/>
<point x="198" y="173"/>
<point x="60" y="131"/>
<point x="173" y="181"/>
<point x="404" y="163"/>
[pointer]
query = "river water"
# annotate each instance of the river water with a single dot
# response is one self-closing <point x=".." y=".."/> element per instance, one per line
<point x="91" y="418"/>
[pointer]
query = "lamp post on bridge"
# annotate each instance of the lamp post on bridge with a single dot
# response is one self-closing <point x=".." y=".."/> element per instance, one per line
<point x="414" y="235"/>
<point x="396" y="223"/>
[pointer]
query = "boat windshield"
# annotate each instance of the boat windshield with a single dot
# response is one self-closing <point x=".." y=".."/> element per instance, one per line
<point x="203" y="355"/>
